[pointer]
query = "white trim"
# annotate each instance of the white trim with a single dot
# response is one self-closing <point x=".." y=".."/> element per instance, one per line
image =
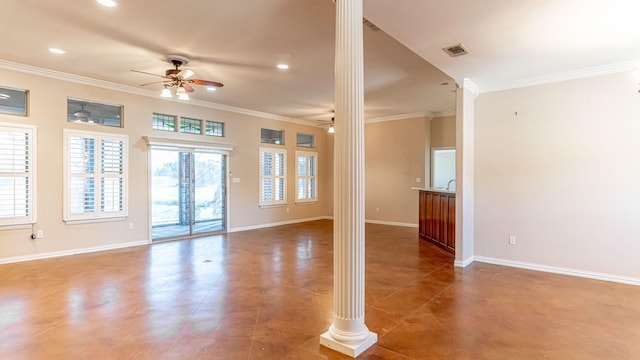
<point x="288" y="222"/>
<point x="391" y="223"/>
<point x="178" y="144"/>
<point x="398" y="117"/>
<point x="465" y="263"/>
<point x="471" y="86"/>
<point x="561" y="76"/>
<point x="560" y="270"/>
<point x="54" y="254"/>
<point x="274" y="152"/>
<point x="9" y="223"/>
<point x="308" y="155"/>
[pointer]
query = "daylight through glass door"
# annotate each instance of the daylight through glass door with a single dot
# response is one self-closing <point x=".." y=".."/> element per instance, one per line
<point x="187" y="193"/>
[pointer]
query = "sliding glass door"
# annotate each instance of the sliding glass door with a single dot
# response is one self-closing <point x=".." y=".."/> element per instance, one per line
<point x="187" y="193"/>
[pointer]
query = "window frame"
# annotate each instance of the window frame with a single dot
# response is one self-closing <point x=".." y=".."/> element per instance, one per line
<point x="308" y="177"/>
<point x="98" y="214"/>
<point x="166" y="127"/>
<point x="274" y="152"/>
<point x="213" y="128"/>
<point x="31" y="169"/>
<point x="281" y="138"/>
<point x="313" y="141"/>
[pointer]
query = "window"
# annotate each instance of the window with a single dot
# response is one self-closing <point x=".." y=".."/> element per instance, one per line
<point x="306" y="176"/>
<point x="95" y="113"/>
<point x="268" y="136"/>
<point x="273" y="179"/>
<point x="95" y="176"/>
<point x="214" y="128"/>
<point x="13" y="101"/>
<point x="305" y="140"/>
<point x="190" y="126"/>
<point x="164" y="122"/>
<point x="17" y="174"/>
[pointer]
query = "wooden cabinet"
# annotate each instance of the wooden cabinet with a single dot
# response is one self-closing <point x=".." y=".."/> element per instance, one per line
<point x="437" y="220"/>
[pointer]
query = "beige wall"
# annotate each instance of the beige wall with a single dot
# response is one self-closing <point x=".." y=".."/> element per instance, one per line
<point x="48" y="113"/>
<point x="562" y="175"/>
<point x="394" y="158"/>
<point x="443" y="131"/>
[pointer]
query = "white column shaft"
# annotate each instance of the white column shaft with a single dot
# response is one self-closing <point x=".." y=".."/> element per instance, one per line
<point x="348" y="333"/>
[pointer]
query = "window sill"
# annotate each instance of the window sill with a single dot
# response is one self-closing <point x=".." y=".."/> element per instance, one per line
<point x="266" y="206"/>
<point x="308" y="202"/>
<point x="95" y="220"/>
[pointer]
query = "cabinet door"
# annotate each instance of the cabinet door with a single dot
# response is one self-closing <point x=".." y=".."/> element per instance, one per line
<point x="451" y="223"/>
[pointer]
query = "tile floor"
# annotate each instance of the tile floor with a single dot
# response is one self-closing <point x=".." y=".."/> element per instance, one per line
<point x="267" y="294"/>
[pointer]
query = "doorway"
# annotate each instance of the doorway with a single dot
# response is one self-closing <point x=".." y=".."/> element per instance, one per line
<point x="188" y="193"/>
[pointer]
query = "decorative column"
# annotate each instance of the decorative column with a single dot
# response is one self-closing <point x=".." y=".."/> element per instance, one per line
<point x="348" y="334"/>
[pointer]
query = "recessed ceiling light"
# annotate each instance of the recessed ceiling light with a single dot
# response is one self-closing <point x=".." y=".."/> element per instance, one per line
<point x="107" y="3"/>
<point x="212" y="88"/>
<point x="57" y="51"/>
<point x="282" y="66"/>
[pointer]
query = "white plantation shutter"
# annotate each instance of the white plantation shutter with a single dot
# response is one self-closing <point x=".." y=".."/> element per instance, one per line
<point x="17" y="174"/>
<point x="306" y="176"/>
<point x="96" y="166"/>
<point x="273" y="187"/>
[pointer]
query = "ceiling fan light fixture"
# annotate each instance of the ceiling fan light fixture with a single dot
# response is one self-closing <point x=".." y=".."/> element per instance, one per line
<point x="183" y="96"/>
<point x="212" y="88"/>
<point x="180" y="91"/>
<point x="331" y="129"/>
<point x="166" y="93"/>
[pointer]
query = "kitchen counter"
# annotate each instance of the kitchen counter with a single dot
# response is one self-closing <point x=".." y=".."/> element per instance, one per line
<point x="437" y="217"/>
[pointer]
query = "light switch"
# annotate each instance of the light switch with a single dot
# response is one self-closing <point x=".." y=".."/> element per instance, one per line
<point x="235" y="180"/>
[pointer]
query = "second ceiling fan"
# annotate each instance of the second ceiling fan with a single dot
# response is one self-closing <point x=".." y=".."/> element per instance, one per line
<point x="179" y="79"/>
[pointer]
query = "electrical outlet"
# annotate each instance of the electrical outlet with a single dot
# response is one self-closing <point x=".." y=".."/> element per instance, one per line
<point x="287" y="209"/>
<point x="512" y="240"/>
<point x="377" y="209"/>
<point x="40" y="234"/>
<point x="131" y="226"/>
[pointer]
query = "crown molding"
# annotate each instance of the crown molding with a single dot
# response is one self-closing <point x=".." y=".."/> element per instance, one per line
<point x="469" y="85"/>
<point x="59" y="75"/>
<point x="561" y="76"/>
<point x="399" y="117"/>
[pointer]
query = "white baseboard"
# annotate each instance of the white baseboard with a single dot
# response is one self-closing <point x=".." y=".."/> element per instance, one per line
<point x="392" y="223"/>
<point x="54" y="254"/>
<point x="560" y="270"/>
<point x="288" y="222"/>
<point x="464" y="263"/>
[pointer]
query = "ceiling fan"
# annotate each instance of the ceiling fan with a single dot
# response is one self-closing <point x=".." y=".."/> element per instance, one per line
<point x="179" y="79"/>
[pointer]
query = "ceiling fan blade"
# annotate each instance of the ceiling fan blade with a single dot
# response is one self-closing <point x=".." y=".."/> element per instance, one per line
<point x="206" y="82"/>
<point x="187" y="87"/>
<point x="142" y="72"/>
<point x="156" y="82"/>
<point x="185" y="74"/>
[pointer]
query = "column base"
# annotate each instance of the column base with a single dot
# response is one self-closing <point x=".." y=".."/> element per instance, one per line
<point x="352" y="350"/>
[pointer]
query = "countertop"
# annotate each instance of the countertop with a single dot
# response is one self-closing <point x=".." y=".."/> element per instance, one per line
<point x="441" y="190"/>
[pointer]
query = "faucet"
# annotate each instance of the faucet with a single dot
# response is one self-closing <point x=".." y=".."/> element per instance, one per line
<point x="449" y="184"/>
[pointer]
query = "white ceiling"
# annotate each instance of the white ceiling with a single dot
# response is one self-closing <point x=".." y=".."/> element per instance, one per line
<point x="239" y="42"/>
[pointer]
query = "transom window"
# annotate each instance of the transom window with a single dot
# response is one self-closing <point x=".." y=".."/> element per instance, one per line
<point x="305" y="140"/>
<point x="269" y="136"/>
<point x="164" y="122"/>
<point x="190" y="126"/>
<point x="214" y="128"/>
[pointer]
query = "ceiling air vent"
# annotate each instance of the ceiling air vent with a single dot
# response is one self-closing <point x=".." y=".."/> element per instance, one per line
<point x="370" y="25"/>
<point x="456" y="50"/>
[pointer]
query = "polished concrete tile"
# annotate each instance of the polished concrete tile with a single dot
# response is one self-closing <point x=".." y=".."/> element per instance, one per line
<point x="267" y="294"/>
